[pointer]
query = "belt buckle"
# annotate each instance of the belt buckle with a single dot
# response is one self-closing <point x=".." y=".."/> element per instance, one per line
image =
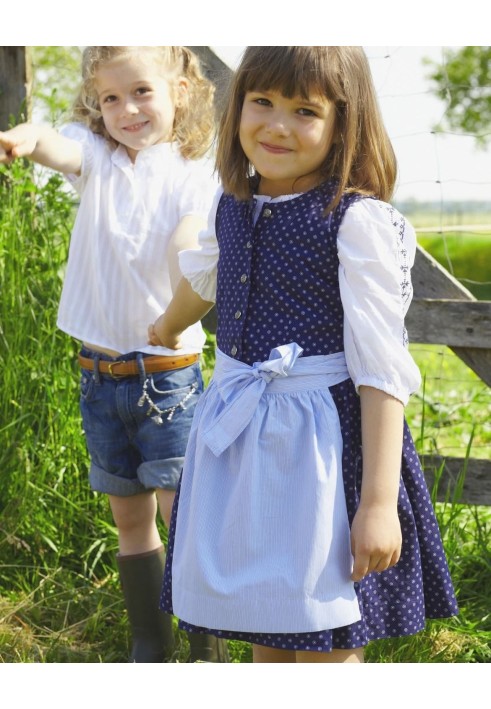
<point x="112" y="374"/>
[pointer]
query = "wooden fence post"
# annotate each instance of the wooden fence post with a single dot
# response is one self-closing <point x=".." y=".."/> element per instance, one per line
<point x="15" y="85"/>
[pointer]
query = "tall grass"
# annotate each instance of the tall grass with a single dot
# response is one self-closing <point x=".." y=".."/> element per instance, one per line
<point x="42" y="453"/>
<point x="452" y="406"/>
<point x="51" y="525"/>
<point x="59" y="591"/>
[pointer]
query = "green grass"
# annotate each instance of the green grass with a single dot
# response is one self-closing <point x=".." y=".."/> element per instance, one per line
<point x="452" y="406"/>
<point x="59" y="587"/>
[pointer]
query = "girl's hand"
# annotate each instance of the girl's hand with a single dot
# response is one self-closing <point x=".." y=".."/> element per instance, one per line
<point x="376" y="540"/>
<point x="18" y="142"/>
<point x="43" y="145"/>
<point x="158" y="334"/>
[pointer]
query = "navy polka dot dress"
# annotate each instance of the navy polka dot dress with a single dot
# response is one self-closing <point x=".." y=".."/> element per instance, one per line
<point x="277" y="282"/>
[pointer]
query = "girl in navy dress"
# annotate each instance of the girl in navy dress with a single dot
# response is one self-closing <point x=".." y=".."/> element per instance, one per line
<point x="303" y="523"/>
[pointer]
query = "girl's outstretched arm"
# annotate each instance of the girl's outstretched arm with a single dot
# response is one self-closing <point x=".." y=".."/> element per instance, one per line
<point x="185" y="308"/>
<point x="376" y="531"/>
<point x="43" y="145"/>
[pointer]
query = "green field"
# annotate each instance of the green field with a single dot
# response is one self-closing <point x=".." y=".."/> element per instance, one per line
<point x="467" y="256"/>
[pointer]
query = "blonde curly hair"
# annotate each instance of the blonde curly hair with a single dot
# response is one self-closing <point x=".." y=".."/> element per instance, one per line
<point x="194" y="121"/>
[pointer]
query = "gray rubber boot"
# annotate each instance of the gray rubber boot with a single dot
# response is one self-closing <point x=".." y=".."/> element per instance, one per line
<point x="207" y="648"/>
<point x="152" y="633"/>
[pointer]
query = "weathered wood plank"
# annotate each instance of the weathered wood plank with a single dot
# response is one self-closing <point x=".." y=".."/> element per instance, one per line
<point x="476" y="359"/>
<point x="476" y="484"/>
<point x="217" y="71"/>
<point x="431" y="280"/>
<point x="450" y="322"/>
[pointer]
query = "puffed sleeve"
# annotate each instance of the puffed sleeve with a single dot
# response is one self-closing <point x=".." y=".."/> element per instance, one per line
<point x="89" y="143"/>
<point x="376" y="248"/>
<point x="198" y="186"/>
<point x="199" y="266"/>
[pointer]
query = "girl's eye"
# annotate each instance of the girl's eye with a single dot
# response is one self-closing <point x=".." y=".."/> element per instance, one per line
<point x="306" y="112"/>
<point x="262" y="101"/>
<point x="142" y="90"/>
<point x="110" y="99"/>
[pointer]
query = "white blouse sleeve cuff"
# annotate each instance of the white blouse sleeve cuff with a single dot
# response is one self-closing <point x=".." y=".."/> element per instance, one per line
<point x="376" y="248"/>
<point x="199" y="266"/>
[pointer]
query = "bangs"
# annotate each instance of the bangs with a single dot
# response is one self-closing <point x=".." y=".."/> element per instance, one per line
<point x="292" y="71"/>
<point x="360" y="158"/>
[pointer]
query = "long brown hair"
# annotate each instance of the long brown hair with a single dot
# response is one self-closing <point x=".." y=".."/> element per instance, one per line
<point x="194" y="121"/>
<point x="361" y="157"/>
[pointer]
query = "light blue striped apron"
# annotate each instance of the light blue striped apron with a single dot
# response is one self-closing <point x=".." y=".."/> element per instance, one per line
<point x="262" y="539"/>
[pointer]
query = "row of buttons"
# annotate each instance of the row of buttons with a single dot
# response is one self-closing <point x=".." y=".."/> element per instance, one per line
<point x="238" y="314"/>
<point x="243" y="279"/>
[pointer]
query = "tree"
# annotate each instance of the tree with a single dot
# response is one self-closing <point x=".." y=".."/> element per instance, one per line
<point x="41" y="80"/>
<point x="463" y="81"/>
<point x="15" y="80"/>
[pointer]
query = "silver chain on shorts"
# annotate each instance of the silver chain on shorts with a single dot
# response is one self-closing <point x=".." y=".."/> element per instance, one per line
<point x="158" y="414"/>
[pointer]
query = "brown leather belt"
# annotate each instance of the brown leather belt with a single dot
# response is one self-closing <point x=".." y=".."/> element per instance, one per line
<point x="127" y="369"/>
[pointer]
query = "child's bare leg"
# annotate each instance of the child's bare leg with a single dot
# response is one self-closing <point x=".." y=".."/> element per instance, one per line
<point x="165" y="499"/>
<point x="135" y="519"/>
<point x="355" y="655"/>
<point x="262" y="653"/>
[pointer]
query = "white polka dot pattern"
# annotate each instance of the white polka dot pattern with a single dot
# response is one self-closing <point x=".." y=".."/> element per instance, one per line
<point x="277" y="280"/>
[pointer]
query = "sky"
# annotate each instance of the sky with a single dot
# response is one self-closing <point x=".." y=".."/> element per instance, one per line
<point x="431" y="167"/>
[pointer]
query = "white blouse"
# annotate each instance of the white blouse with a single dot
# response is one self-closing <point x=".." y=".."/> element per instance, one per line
<point x="376" y="249"/>
<point x="117" y="279"/>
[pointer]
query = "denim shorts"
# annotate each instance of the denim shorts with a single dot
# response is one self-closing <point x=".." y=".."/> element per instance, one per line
<point x="137" y="427"/>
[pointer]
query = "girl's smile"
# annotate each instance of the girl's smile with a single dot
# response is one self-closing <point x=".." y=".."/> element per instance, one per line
<point x="137" y="102"/>
<point x="275" y="149"/>
<point x="286" y="139"/>
<point x="136" y="127"/>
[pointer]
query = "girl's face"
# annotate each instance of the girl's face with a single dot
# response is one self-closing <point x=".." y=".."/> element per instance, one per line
<point x="137" y="101"/>
<point x="286" y="139"/>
